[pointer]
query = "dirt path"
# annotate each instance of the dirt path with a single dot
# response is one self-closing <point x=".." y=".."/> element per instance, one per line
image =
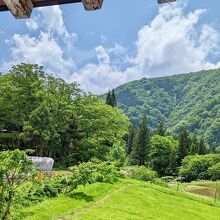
<point x="95" y="205"/>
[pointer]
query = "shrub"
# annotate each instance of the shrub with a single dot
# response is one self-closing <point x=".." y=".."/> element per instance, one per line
<point x="214" y="172"/>
<point x="117" y="154"/>
<point x="106" y="172"/>
<point x="38" y="189"/>
<point x="90" y="172"/>
<point x="142" y="173"/>
<point x="15" y="169"/>
<point x="168" y="179"/>
<point x="197" y="167"/>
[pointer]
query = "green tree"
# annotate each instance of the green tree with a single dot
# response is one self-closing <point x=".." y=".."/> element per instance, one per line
<point x="163" y="155"/>
<point x="184" y="145"/>
<point x="36" y="110"/>
<point x="108" y="98"/>
<point x="130" y="140"/>
<point x="15" y="169"/>
<point x="101" y="127"/>
<point x="202" y="148"/>
<point x="161" y="130"/>
<point x="111" y="98"/>
<point x="141" y="144"/>
<point x="194" y="148"/>
<point x="117" y="154"/>
<point x="114" y="98"/>
<point x="200" y="167"/>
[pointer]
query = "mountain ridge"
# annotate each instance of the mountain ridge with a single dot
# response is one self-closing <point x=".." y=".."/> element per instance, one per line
<point x="190" y="100"/>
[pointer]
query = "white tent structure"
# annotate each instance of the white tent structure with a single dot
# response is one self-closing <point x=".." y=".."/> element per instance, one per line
<point x="43" y="163"/>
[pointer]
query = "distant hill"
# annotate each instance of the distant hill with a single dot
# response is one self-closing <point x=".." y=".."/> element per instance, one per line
<point x="187" y="100"/>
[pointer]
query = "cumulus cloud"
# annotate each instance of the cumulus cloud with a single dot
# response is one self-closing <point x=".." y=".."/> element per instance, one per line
<point x="173" y="42"/>
<point x="51" y="18"/>
<point x="43" y="50"/>
<point x="47" y="44"/>
<point x="169" y="45"/>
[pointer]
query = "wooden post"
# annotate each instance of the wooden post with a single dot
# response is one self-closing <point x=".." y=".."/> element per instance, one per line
<point x="20" y="8"/>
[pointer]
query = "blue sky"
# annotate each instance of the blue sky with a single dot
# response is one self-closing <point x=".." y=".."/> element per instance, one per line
<point x="123" y="41"/>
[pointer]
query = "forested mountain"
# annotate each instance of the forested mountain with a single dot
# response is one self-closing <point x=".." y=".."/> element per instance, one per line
<point x="187" y="100"/>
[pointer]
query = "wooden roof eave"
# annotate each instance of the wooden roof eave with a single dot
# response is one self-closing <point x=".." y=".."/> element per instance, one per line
<point x="42" y="3"/>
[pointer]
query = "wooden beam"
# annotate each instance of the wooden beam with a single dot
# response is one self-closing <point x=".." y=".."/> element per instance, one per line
<point x="165" y="1"/>
<point x="41" y="3"/>
<point x="20" y="8"/>
<point x="92" y="5"/>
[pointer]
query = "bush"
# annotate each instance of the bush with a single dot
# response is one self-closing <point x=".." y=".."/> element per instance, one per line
<point x="168" y="179"/>
<point x="15" y="170"/>
<point x="199" y="167"/>
<point x="117" y="154"/>
<point x="214" y="172"/>
<point x="142" y="173"/>
<point x="38" y="189"/>
<point x="90" y="172"/>
<point x="106" y="172"/>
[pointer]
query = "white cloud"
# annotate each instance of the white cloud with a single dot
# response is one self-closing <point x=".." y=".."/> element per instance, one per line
<point x="173" y="42"/>
<point x="169" y="45"/>
<point x="32" y="24"/>
<point x="43" y="50"/>
<point x="102" y="55"/>
<point x="46" y="45"/>
<point x="50" y="18"/>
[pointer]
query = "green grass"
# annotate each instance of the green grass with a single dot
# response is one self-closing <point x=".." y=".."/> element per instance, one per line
<point x="66" y="205"/>
<point x="125" y="200"/>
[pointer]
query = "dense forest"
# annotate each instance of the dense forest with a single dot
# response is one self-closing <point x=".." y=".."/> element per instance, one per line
<point x="56" y="119"/>
<point x="190" y="101"/>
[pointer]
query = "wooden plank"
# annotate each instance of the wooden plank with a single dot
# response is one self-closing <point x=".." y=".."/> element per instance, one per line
<point x="92" y="5"/>
<point x="164" y="1"/>
<point x="20" y="8"/>
<point x="41" y="3"/>
<point x="3" y="7"/>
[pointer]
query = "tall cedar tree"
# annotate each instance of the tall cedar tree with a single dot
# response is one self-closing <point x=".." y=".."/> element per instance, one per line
<point x="108" y="98"/>
<point x="184" y="146"/>
<point x="194" y="145"/>
<point x="202" y="147"/>
<point x="141" y="144"/>
<point x="111" y="98"/>
<point x="114" y="98"/>
<point x="161" y="130"/>
<point x="130" y="140"/>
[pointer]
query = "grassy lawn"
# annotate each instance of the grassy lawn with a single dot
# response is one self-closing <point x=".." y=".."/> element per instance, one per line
<point x="125" y="200"/>
<point x="65" y="205"/>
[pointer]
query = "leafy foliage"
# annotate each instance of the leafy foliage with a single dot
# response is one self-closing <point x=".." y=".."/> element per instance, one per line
<point x="56" y="119"/>
<point x="15" y="169"/>
<point x="101" y="125"/>
<point x="190" y="101"/>
<point x="141" y="173"/>
<point x="111" y="98"/>
<point x="141" y="144"/>
<point x="163" y="155"/>
<point x="202" y="167"/>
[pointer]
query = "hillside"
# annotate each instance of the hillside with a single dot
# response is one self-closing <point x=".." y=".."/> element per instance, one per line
<point x="187" y="100"/>
<point x="126" y="199"/>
